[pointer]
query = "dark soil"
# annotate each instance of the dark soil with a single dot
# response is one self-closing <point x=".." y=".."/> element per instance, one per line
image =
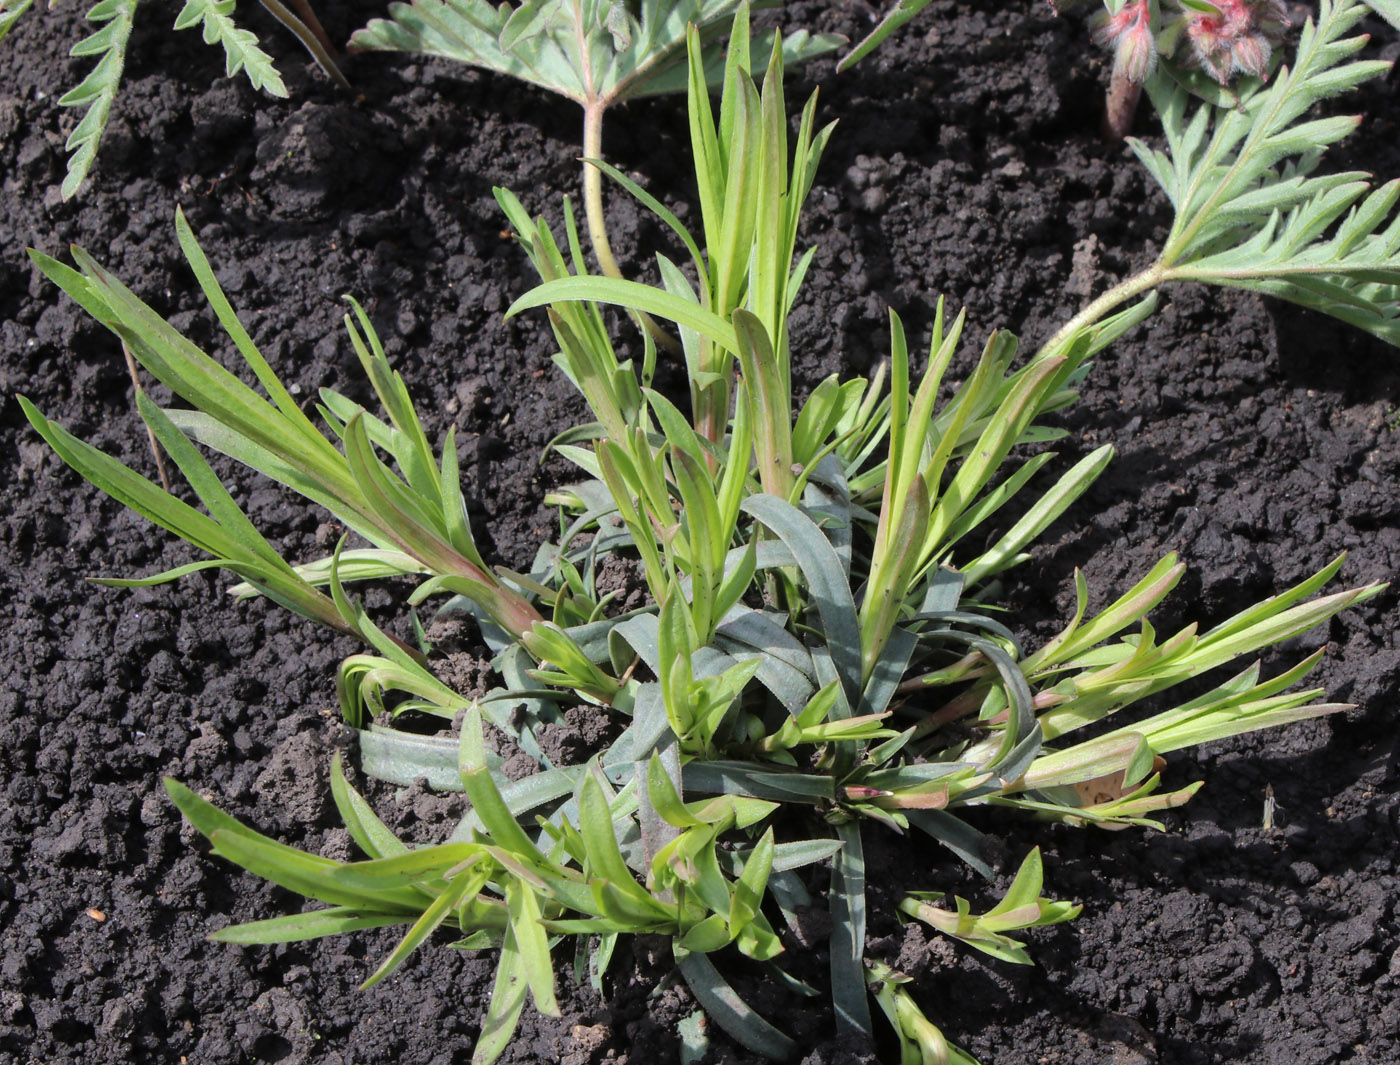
<point x="1256" y="440"/>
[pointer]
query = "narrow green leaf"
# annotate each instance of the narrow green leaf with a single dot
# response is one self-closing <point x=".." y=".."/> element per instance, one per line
<point x="485" y="797"/>
<point x="507" y="1002"/>
<point x="633" y="296"/>
<point x="847" y="902"/>
<point x="533" y="944"/>
<point x="10" y="13"/>
<point x="437" y="912"/>
<point x="770" y="405"/>
<point x="664" y="798"/>
<point x="313" y="924"/>
<point x="729" y="1011"/>
<point x="373" y="836"/>
<point x="306" y="874"/>
<point x="827" y="580"/>
<point x="893" y="20"/>
<point x="748" y="891"/>
<point x="405" y="868"/>
<point x="605" y="861"/>
<point x="707" y="936"/>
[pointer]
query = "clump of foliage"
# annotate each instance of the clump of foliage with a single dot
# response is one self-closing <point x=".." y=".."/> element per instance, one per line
<point x="818" y="661"/>
<point x="97" y="92"/>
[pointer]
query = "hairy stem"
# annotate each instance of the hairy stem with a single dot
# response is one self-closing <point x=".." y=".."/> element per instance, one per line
<point x="1120" y="107"/>
<point x="1118" y="294"/>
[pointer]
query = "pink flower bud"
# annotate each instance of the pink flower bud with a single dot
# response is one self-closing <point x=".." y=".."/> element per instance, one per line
<point x="1136" y="56"/>
<point x="1130" y="34"/>
<point x="1251" y="55"/>
<point x="1238" y="38"/>
<point x="1204" y="35"/>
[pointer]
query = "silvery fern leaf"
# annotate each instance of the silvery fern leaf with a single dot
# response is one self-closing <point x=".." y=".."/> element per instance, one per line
<point x="469" y="31"/>
<point x="10" y="14"/>
<point x="1207" y="168"/>
<point x="1251" y="214"/>
<point x="1353" y="274"/>
<point x="240" y="46"/>
<point x="1386" y="9"/>
<point x="595" y="52"/>
<point x="96" y="91"/>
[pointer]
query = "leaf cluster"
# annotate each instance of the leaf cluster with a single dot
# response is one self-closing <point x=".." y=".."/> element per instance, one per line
<point x="819" y="659"/>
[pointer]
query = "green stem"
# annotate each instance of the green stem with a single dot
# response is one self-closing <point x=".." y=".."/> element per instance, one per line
<point x="1118" y="294"/>
<point x="593" y="188"/>
<point x="308" y="16"/>
<point x="150" y="433"/>
<point x="597" y="221"/>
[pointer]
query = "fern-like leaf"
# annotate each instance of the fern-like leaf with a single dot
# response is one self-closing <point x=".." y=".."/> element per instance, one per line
<point x="240" y="46"/>
<point x="1251" y="214"/>
<point x="1353" y="274"/>
<point x="96" y="91"/>
<point x="469" y="31"/>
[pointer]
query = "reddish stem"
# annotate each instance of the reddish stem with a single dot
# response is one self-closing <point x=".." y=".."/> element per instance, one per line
<point x="1120" y="108"/>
